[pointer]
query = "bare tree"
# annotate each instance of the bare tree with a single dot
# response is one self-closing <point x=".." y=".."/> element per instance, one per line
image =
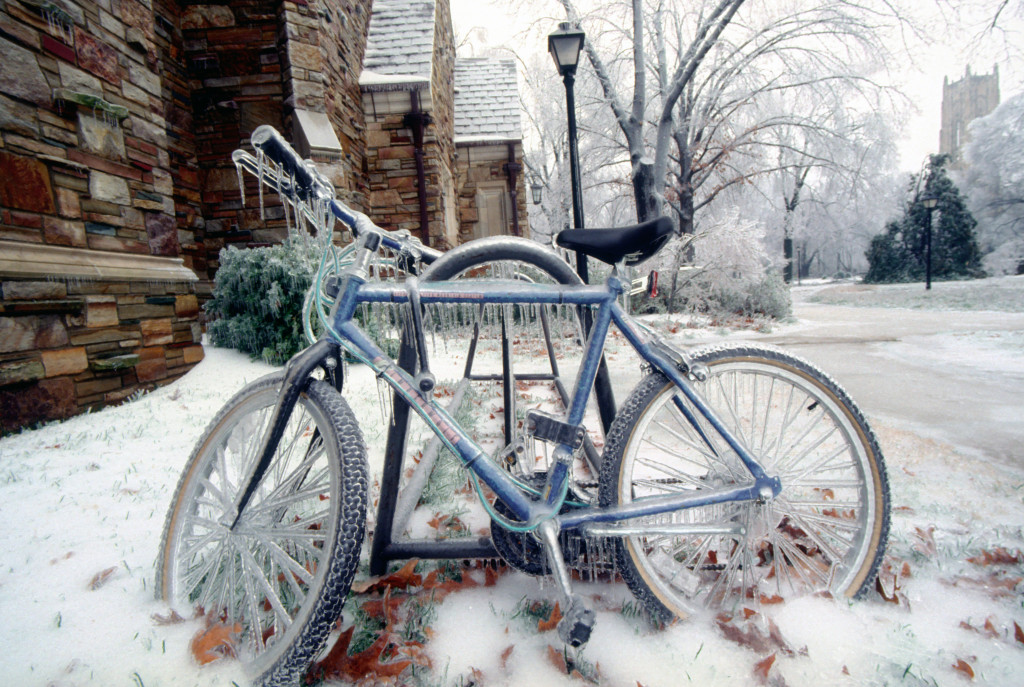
<point x="693" y="126"/>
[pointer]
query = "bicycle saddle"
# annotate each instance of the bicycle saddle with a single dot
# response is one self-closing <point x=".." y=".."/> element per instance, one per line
<point x="632" y="244"/>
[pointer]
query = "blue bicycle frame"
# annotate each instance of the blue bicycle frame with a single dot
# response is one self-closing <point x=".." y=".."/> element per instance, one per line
<point x="355" y="290"/>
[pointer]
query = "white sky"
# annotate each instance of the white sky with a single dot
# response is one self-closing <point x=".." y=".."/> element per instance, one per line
<point x="947" y="58"/>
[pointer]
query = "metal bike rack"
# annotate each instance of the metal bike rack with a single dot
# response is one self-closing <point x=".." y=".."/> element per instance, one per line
<point x="393" y="511"/>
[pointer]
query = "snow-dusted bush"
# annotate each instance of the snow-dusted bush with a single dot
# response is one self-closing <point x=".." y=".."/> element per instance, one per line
<point x="1008" y="258"/>
<point x="257" y="299"/>
<point x="733" y="275"/>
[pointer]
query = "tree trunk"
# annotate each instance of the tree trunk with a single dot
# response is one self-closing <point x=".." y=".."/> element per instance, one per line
<point x="644" y="191"/>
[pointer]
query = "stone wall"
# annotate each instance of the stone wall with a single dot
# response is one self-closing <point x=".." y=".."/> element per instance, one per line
<point x="175" y="101"/>
<point x="67" y="346"/>
<point x="442" y="91"/>
<point x="233" y="61"/>
<point x="342" y="43"/>
<point x="972" y="96"/>
<point x="95" y="303"/>
<point x="392" y="197"/>
<point x="391" y="178"/>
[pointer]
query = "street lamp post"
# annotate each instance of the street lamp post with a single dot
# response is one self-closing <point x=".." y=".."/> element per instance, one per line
<point x="930" y="201"/>
<point x="565" y="45"/>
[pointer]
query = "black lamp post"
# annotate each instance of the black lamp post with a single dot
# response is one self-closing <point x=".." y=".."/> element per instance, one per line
<point x="565" y="45"/>
<point x="930" y="201"/>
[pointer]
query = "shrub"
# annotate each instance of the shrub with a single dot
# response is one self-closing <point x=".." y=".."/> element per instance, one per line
<point x="257" y="299"/>
<point x="765" y="294"/>
<point x="735" y="275"/>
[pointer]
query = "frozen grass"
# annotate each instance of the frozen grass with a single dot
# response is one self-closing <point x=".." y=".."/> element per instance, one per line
<point x="84" y="500"/>
<point x="1003" y="294"/>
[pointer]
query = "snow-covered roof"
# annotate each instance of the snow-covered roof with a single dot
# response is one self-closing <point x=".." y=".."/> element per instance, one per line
<point x="374" y="81"/>
<point x="486" y="100"/>
<point x="400" y="42"/>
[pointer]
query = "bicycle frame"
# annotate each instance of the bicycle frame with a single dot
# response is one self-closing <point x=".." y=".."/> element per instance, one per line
<point x="356" y="290"/>
<point x="313" y="196"/>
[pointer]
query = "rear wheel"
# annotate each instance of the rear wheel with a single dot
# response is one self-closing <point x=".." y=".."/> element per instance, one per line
<point x="826" y="531"/>
<point x="276" y="582"/>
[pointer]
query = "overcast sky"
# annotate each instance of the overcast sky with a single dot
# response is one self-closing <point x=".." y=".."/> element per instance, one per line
<point x="946" y="58"/>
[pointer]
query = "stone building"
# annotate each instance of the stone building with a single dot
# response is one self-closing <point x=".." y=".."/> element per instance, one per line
<point x="973" y="96"/>
<point x="408" y="102"/>
<point x="117" y="120"/>
<point x="489" y="141"/>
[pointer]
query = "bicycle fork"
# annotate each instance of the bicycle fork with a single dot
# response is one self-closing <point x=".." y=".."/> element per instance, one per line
<point x="296" y="376"/>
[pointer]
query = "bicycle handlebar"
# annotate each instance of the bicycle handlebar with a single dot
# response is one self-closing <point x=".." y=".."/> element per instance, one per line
<point x="302" y="182"/>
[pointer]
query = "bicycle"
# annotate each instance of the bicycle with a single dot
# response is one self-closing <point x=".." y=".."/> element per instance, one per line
<point x="729" y="472"/>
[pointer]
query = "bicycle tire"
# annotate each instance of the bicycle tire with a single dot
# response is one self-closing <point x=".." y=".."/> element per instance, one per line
<point x="826" y="531"/>
<point x="290" y="562"/>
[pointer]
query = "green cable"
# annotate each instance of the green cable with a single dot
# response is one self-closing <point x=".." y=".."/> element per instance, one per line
<point x="509" y="525"/>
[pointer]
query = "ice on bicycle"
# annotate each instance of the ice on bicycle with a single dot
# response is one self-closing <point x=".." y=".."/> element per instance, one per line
<point x="728" y="473"/>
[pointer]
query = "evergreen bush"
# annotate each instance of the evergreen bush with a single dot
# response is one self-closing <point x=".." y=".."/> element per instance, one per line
<point x="257" y="299"/>
<point x="899" y="254"/>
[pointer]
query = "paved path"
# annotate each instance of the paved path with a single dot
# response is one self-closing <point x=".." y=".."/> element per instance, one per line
<point x="956" y="376"/>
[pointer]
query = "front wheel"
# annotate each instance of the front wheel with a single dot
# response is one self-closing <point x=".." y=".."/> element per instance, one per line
<point x="826" y="530"/>
<point x="275" y="583"/>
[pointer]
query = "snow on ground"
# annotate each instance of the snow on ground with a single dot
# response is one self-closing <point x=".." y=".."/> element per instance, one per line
<point x="82" y="504"/>
<point x="1004" y="294"/>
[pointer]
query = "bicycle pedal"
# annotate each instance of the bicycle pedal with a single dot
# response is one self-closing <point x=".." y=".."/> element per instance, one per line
<point x="576" y="625"/>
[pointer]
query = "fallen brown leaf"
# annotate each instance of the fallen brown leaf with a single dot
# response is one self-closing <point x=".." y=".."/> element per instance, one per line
<point x="925" y="544"/>
<point x="171" y="618"/>
<point x="101" y="578"/>
<point x="400" y="579"/>
<point x="365" y="664"/>
<point x="505" y="655"/>
<point x="761" y="669"/>
<point x="963" y="667"/>
<point x="215" y="642"/>
<point x="556" y="659"/>
<point x="997" y="556"/>
<point x="552" y="622"/>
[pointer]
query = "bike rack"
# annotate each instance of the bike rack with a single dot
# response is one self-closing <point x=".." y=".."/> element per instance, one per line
<point x="393" y="512"/>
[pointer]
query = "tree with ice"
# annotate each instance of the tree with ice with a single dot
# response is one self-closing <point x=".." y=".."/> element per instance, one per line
<point x="994" y="182"/>
<point x="694" y="124"/>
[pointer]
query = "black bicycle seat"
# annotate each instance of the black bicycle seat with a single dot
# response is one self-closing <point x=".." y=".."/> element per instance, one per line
<point x="630" y="244"/>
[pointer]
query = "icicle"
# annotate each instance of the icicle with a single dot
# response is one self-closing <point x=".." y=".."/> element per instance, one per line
<point x="259" y="175"/>
<point x="382" y="398"/>
<point x="241" y="183"/>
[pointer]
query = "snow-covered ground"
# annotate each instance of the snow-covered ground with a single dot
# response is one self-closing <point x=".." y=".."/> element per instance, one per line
<point x="83" y="502"/>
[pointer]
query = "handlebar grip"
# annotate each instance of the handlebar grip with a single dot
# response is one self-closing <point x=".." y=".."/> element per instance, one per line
<point x="267" y="140"/>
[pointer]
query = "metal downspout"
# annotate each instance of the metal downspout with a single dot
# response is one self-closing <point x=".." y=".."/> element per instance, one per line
<point x="417" y="121"/>
<point x="513" y="168"/>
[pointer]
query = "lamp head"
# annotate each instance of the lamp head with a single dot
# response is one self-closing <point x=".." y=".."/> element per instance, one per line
<point x="565" y="45"/>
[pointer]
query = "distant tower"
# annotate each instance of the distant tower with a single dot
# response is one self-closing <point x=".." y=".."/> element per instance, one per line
<point x="971" y="97"/>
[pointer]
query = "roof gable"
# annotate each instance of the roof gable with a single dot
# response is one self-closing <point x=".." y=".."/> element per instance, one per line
<point x="400" y="42"/>
<point x="486" y="100"/>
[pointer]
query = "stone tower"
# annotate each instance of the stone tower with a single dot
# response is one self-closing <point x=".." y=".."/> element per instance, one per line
<point x="973" y="96"/>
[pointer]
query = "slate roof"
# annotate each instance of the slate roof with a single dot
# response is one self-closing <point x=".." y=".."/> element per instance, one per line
<point x="400" y="41"/>
<point x="486" y="100"/>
